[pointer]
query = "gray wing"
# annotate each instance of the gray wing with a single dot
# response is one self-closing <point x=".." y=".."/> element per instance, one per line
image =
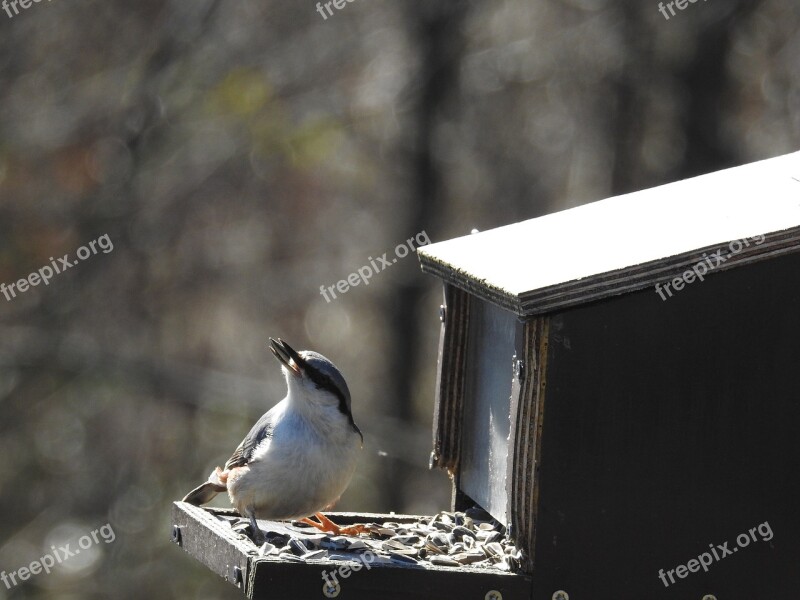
<point x="260" y="431"/>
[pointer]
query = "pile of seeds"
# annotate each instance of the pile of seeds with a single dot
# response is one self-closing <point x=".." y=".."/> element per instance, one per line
<point x="460" y="539"/>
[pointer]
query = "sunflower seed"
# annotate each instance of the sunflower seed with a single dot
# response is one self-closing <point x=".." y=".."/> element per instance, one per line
<point x="433" y="548"/>
<point x="337" y="543"/>
<point x="461" y="532"/>
<point x="466" y="558"/>
<point x="314" y="541"/>
<point x="493" y="537"/>
<point x="385" y="531"/>
<point x="277" y="539"/>
<point x="266" y="548"/>
<point x="241" y="527"/>
<point x="456" y="548"/>
<point x="438" y="539"/>
<point x="392" y="545"/>
<point x="444" y="561"/>
<point x="290" y="557"/>
<point x="297" y="547"/>
<point x="493" y="549"/>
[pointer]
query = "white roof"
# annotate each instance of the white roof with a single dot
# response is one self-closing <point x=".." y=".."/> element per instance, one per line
<point x="627" y="242"/>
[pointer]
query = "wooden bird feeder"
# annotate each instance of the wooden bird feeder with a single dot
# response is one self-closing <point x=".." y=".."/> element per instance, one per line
<point x="617" y="386"/>
<point x="618" y="383"/>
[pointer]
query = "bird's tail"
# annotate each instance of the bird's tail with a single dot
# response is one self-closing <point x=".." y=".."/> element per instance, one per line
<point x="205" y="493"/>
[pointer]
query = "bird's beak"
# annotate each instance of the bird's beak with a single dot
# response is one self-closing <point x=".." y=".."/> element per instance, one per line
<point x="287" y="356"/>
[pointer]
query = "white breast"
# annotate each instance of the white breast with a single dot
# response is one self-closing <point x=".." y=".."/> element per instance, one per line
<point x="301" y="469"/>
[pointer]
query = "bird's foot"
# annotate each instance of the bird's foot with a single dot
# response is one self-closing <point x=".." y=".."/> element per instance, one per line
<point x="328" y="526"/>
<point x="258" y="536"/>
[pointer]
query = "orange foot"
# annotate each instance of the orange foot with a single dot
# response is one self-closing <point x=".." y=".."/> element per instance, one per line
<point x="328" y="526"/>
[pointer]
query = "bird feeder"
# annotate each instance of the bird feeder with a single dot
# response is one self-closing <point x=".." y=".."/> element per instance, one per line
<point x="617" y="388"/>
<point x="618" y="383"/>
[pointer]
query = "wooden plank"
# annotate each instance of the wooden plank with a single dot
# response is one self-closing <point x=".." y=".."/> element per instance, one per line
<point x="626" y="243"/>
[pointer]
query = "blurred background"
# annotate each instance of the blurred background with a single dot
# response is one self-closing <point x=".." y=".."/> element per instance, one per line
<point x="241" y="154"/>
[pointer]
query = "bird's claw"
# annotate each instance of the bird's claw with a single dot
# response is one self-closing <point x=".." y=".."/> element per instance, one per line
<point x="328" y="526"/>
<point x="258" y="536"/>
<point x="354" y="530"/>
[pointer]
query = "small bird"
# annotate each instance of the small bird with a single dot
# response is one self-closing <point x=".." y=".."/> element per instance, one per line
<point x="300" y="456"/>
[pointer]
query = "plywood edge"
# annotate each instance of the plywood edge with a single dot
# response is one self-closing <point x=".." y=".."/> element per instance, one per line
<point x="212" y="543"/>
<point x="613" y="283"/>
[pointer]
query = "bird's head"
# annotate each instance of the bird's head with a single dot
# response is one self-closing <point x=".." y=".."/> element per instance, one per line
<point x="313" y="378"/>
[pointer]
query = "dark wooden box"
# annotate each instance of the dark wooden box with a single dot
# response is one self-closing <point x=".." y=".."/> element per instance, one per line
<point x="626" y="432"/>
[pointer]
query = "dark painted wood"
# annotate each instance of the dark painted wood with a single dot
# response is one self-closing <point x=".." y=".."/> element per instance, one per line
<point x="669" y="426"/>
<point x="276" y="580"/>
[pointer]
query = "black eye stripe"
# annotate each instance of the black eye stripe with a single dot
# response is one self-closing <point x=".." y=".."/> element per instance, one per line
<point x="324" y="382"/>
